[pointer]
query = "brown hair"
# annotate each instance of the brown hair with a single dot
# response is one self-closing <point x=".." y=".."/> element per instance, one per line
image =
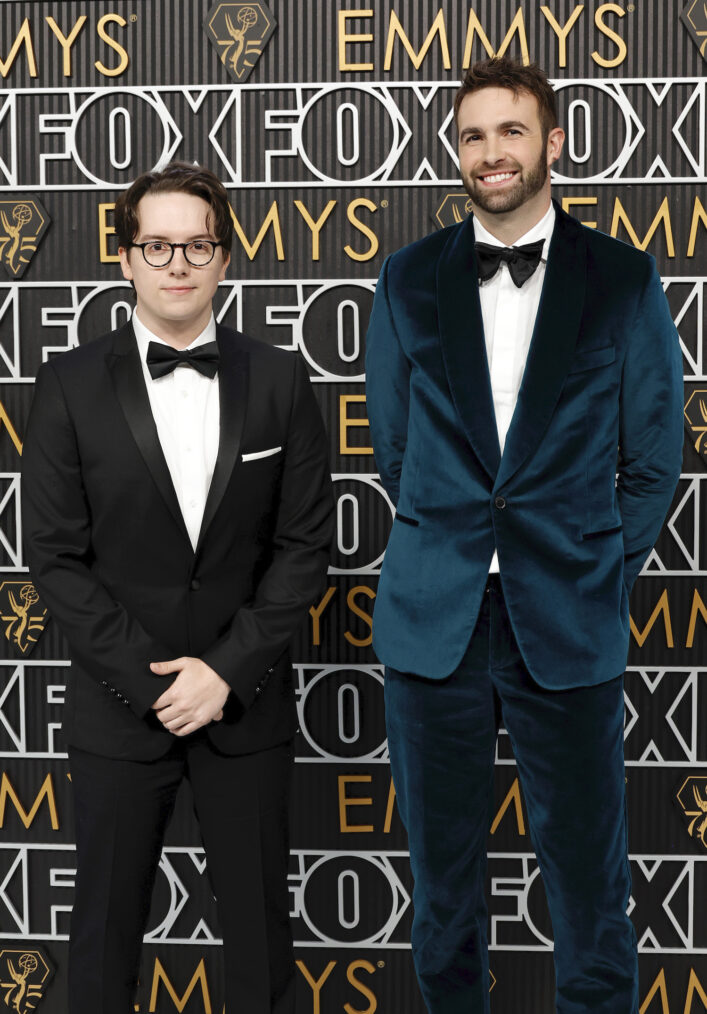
<point x="502" y="72"/>
<point x="177" y="177"/>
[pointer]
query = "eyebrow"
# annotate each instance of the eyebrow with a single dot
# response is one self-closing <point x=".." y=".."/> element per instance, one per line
<point x="163" y="239"/>
<point x="500" y="126"/>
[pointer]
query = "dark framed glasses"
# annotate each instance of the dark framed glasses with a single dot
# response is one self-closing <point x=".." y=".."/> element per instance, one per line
<point x="158" y="252"/>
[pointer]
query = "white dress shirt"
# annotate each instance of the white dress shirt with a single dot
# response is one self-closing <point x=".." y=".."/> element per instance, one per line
<point x="508" y="315"/>
<point x="185" y="407"/>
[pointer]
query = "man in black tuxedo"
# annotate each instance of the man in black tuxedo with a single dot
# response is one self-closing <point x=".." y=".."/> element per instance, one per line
<point x="177" y="514"/>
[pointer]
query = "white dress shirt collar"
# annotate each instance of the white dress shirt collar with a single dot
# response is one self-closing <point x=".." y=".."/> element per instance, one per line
<point x="144" y="336"/>
<point x="185" y="408"/>
<point x="508" y="314"/>
<point x="541" y="230"/>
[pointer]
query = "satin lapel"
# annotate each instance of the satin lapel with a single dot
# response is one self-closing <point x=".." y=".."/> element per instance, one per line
<point x="552" y="345"/>
<point x="461" y="332"/>
<point x="126" y="370"/>
<point x="233" y="393"/>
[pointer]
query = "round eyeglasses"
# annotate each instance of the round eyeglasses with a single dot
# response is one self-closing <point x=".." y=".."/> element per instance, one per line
<point x="158" y="252"/>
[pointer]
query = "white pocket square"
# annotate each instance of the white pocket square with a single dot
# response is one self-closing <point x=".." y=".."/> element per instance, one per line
<point x="261" y="454"/>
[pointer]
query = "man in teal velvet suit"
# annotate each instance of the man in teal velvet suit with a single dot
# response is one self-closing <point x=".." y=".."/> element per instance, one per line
<point x="507" y="389"/>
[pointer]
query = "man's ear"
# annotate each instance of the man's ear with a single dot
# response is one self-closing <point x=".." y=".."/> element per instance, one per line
<point x="226" y="261"/>
<point x="125" y="263"/>
<point x="555" y="141"/>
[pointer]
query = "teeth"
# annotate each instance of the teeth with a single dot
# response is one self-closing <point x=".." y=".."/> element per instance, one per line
<point x="497" y="178"/>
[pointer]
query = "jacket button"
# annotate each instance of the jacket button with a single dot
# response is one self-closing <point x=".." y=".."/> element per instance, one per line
<point x="500" y="502"/>
<point x="195" y="584"/>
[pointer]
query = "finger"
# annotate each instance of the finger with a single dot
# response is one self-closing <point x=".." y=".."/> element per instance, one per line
<point x="173" y="716"/>
<point x="166" y="709"/>
<point x="173" y="722"/>
<point x="185" y="730"/>
<point x="217" y="718"/>
<point x="164" y="700"/>
<point x="165" y="668"/>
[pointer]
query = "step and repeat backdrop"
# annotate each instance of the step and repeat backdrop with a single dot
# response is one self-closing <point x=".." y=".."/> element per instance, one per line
<point x="330" y="124"/>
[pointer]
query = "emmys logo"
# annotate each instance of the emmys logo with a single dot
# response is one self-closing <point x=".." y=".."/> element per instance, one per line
<point x="22" y="223"/>
<point x="453" y="209"/>
<point x="22" y="613"/>
<point x="23" y="978"/>
<point x="696" y="416"/>
<point x="239" y="33"/>
<point x="695" y="17"/>
<point x="692" y="797"/>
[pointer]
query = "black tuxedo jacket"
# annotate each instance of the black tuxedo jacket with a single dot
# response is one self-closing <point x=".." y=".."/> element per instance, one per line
<point x="109" y="552"/>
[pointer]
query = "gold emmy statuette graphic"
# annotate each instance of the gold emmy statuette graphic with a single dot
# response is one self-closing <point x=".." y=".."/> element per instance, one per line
<point x="22" y="613"/>
<point x="696" y="416"/>
<point x="692" y="797"/>
<point x="23" y="222"/>
<point x="453" y="209"/>
<point x="695" y="17"/>
<point x="239" y="33"/>
<point x="24" y="975"/>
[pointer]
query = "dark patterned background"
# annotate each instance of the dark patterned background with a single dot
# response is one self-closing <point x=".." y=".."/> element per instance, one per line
<point x="329" y="168"/>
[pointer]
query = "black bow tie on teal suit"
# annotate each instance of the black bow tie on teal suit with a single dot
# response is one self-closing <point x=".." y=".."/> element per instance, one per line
<point x="163" y="359"/>
<point x="521" y="260"/>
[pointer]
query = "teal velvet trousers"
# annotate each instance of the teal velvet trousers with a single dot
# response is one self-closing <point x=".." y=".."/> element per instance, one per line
<point x="568" y="747"/>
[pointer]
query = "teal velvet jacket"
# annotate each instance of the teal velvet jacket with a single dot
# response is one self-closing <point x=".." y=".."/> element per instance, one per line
<point x="601" y="397"/>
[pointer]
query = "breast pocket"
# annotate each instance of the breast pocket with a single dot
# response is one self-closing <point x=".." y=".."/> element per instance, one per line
<point x="590" y="359"/>
<point x="270" y="452"/>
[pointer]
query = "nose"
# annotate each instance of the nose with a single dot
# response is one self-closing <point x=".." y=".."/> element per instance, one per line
<point x="492" y="152"/>
<point x="179" y="263"/>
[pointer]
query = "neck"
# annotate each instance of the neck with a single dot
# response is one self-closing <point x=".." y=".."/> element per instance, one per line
<point x="509" y="227"/>
<point x="177" y="333"/>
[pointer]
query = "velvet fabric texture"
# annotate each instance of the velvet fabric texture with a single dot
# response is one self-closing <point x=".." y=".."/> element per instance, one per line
<point x="572" y="507"/>
<point x="604" y="374"/>
<point x="569" y="750"/>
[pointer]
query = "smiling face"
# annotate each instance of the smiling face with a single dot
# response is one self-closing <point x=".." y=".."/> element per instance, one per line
<point x="504" y="156"/>
<point x="174" y="302"/>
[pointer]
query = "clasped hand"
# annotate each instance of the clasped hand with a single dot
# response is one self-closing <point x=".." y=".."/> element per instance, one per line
<point x="196" y="697"/>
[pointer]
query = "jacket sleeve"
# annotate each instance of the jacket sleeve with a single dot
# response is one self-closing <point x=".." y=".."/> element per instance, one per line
<point x="260" y="631"/>
<point x="651" y="426"/>
<point x="387" y="389"/>
<point x="108" y="643"/>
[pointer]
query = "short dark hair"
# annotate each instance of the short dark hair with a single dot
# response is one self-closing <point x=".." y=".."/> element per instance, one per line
<point x="177" y="177"/>
<point x="502" y="72"/>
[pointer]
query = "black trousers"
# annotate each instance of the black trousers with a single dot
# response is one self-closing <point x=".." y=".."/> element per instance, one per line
<point x="122" y="809"/>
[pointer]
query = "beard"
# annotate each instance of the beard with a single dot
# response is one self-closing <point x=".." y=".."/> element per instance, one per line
<point x="527" y="184"/>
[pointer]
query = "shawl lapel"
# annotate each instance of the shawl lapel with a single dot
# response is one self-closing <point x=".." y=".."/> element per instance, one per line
<point x="461" y="334"/>
<point x="552" y="345"/>
<point x="233" y="394"/>
<point x="129" y="382"/>
<point x="126" y="371"/>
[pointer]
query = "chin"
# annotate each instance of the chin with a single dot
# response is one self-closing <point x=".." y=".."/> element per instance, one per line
<point x="498" y="204"/>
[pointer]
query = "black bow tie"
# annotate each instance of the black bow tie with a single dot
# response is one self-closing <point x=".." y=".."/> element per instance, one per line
<point x="521" y="260"/>
<point x="162" y="359"/>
